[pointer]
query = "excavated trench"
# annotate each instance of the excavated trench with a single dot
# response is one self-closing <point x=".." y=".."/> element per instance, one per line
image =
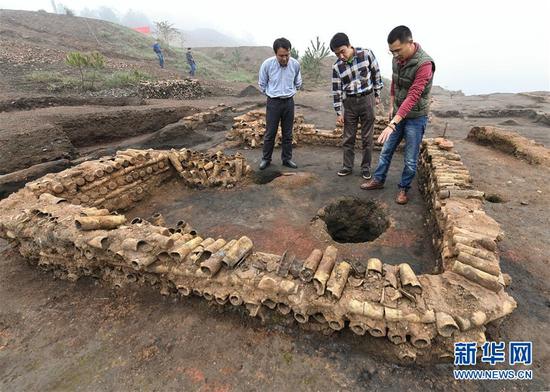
<point x="56" y="138"/>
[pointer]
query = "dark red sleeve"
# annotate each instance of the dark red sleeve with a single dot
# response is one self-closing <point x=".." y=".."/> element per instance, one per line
<point x="423" y="76"/>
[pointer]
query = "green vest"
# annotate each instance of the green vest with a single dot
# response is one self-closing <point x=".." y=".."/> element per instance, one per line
<point x="403" y="78"/>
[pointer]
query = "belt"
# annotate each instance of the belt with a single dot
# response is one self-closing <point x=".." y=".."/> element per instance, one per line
<point x="292" y="96"/>
<point x="359" y="95"/>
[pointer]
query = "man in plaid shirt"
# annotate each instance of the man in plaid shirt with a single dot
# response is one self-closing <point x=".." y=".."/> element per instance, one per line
<point x="356" y="86"/>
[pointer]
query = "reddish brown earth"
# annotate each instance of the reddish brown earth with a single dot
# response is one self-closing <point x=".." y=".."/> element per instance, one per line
<point x="60" y="335"/>
<point x="57" y="335"/>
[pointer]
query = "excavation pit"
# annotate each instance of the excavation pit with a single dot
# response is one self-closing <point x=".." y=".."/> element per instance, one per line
<point x="494" y="198"/>
<point x="355" y="220"/>
<point x="265" y="176"/>
<point x="205" y="228"/>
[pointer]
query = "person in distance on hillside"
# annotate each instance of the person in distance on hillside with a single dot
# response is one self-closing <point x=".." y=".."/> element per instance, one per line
<point x="158" y="52"/>
<point x="191" y="62"/>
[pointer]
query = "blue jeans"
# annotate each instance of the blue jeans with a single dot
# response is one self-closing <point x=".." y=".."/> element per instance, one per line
<point x="161" y="59"/>
<point x="193" y="69"/>
<point x="412" y="129"/>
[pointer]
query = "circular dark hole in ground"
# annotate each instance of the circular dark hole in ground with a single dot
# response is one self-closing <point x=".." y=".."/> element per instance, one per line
<point x="265" y="176"/>
<point x="494" y="198"/>
<point x="355" y="220"/>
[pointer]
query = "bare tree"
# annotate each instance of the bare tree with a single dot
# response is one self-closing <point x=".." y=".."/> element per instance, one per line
<point x="165" y="31"/>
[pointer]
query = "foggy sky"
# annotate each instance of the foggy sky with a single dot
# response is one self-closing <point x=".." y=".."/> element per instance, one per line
<point x="478" y="46"/>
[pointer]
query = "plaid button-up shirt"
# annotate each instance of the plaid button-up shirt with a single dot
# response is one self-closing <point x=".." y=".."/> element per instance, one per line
<point x="361" y="76"/>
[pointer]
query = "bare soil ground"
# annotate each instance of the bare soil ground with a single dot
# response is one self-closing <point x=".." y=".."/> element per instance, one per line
<point x="56" y="335"/>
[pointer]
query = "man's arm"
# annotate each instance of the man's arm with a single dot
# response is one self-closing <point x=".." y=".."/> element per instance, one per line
<point x="375" y="75"/>
<point x="263" y="77"/>
<point x="336" y="91"/>
<point x="298" y="78"/>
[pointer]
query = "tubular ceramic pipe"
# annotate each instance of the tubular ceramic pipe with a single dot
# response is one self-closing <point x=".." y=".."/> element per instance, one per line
<point x="99" y="242"/>
<point x="358" y="327"/>
<point x="239" y="251"/>
<point x="397" y="333"/>
<point x="338" y="279"/>
<point x="463" y="193"/>
<point x="310" y="265"/>
<point x="269" y="303"/>
<point x="445" y="324"/>
<point x="213" y="264"/>
<point x="477" y="276"/>
<point x="301" y="317"/>
<point x="183" y="290"/>
<point x="370" y="310"/>
<point x="421" y="334"/>
<point x="481" y="253"/>
<point x="160" y="230"/>
<point x="238" y="168"/>
<point x="179" y="254"/>
<point x="376" y="328"/>
<point x="105" y="222"/>
<point x="157" y="219"/>
<point x="478" y="318"/>
<point x="235" y="299"/>
<point x="489" y="266"/>
<point x="283" y="308"/>
<point x="138" y="262"/>
<point x="472" y="242"/>
<point x="211" y="249"/>
<point x="51" y="199"/>
<point x="408" y="279"/>
<point x="198" y="251"/>
<point x="325" y="268"/>
<point x="336" y="324"/>
<point x="375" y="265"/>
<point x="162" y="241"/>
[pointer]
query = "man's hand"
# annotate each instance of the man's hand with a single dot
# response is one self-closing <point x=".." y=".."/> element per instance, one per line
<point x="377" y="100"/>
<point x="384" y="135"/>
<point x="340" y="120"/>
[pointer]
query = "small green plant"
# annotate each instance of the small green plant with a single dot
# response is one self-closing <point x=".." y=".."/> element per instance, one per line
<point x="126" y="79"/>
<point x="236" y="58"/>
<point x="313" y="59"/>
<point x="294" y="53"/>
<point x="88" y="64"/>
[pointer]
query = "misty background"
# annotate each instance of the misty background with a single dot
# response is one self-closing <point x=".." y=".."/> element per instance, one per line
<point x="479" y="47"/>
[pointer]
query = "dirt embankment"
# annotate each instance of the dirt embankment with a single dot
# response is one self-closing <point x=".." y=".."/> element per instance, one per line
<point x="32" y="137"/>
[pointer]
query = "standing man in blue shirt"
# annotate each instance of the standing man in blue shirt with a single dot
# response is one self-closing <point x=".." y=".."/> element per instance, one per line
<point x="279" y="79"/>
<point x="158" y="51"/>
<point x="356" y="86"/>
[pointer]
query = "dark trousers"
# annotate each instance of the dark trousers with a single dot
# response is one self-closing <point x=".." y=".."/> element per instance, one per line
<point x="278" y="111"/>
<point x="358" y="109"/>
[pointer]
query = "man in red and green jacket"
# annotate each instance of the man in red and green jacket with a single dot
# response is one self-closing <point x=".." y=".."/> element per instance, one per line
<point x="412" y="77"/>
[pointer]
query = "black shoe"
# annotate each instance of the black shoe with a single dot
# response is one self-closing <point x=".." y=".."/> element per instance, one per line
<point x="264" y="163"/>
<point x="344" y="172"/>
<point x="290" y="164"/>
<point x="366" y="174"/>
